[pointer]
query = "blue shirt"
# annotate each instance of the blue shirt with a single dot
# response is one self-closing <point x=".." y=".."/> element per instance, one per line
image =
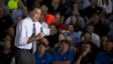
<point x="110" y="34"/>
<point x="45" y="59"/>
<point x="80" y="21"/>
<point x="76" y="37"/>
<point x="104" y="58"/>
<point x="67" y="56"/>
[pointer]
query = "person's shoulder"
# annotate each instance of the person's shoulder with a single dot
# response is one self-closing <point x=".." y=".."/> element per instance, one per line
<point x="87" y="8"/>
<point x="101" y="53"/>
<point x="96" y="35"/>
<point x="26" y="20"/>
<point x="56" y="54"/>
<point x="69" y="52"/>
<point x="48" y="55"/>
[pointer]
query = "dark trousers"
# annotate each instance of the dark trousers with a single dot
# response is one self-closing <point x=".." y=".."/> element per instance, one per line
<point x="24" y="56"/>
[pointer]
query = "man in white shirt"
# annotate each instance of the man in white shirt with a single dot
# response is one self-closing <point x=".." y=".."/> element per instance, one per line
<point x="95" y="38"/>
<point x="27" y="32"/>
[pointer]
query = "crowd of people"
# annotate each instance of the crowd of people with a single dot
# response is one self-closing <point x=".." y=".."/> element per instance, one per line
<point x="67" y="31"/>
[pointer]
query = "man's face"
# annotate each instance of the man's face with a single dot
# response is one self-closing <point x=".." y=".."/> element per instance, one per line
<point x="87" y="37"/>
<point x="109" y="46"/>
<point x="41" y="48"/>
<point x="86" y="48"/>
<point x="70" y="28"/>
<point x="94" y="2"/>
<point x="36" y="14"/>
<point x="11" y="31"/>
<point x="7" y="44"/>
<point x="64" y="47"/>
<point x="90" y="29"/>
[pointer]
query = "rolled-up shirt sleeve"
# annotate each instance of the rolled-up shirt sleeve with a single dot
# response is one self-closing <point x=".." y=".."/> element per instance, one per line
<point x="46" y="31"/>
<point x="21" y="34"/>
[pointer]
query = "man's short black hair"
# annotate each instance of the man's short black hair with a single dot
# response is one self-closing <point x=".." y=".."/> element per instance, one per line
<point x="65" y="41"/>
<point x="42" y="43"/>
<point x="32" y="8"/>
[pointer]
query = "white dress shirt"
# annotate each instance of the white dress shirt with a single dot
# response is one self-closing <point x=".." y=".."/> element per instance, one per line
<point x="95" y="39"/>
<point x="24" y="31"/>
<point x="107" y="8"/>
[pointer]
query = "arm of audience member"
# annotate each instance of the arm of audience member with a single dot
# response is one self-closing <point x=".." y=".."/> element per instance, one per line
<point x="61" y="62"/>
<point x="86" y="19"/>
<point x="78" y="60"/>
<point x="97" y="40"/>
<point x="99" y="3"/>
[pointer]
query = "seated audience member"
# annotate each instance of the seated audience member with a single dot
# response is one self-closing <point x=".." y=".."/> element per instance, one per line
<point x="92" y="9"/>
<point x="95" y="38"/>
<point x="76" y="36"/>
<point x="110" y="34"/>
<point x="87" y="39"/>
<point x="49" y="19"/>
<point x="75" y="16"/>
<point x="11" y="32"/>
<point x="106" y="5"/>
<point x="103" y="42"/>
<point x="72" y="48"/>
<point x="68" y="38"/>
<point x="41" y="55"/>
<point x="53" y="37"/>
<point x="63" y="55"/>
<point x="99" y="22"/>
<point x="6" y="54"/>
<point x="106" y="56"/>
<point x="84" y="55"/>
<point x="6" y="37"/>
<point x="49" y="49"/>
<point x="59" y="21"/>
<point x="60" y="38"/>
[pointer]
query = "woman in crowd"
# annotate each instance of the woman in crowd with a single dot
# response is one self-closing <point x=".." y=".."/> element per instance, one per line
<point x="85" y="55"/>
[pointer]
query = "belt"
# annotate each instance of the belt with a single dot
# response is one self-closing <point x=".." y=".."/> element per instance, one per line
<point x="24" y="49"/>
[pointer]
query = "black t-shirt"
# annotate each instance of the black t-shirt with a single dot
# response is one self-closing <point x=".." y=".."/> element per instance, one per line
<point x="101" y="29"/>
<point x="53" y="39"/>
<point x="89" y="11"/>
<point x="6" y="58"/>
<point x="88" y="59"/>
